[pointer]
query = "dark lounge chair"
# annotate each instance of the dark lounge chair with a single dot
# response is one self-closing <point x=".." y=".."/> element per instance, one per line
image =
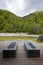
<point x="31" y="49"/>
<point x="10" y="50"/>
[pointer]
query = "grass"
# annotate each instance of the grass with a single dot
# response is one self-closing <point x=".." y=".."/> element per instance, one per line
<point x="2" y="38"/>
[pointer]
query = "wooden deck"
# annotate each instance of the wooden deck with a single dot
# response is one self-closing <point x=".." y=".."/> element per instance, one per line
<point x="21" y="58"/>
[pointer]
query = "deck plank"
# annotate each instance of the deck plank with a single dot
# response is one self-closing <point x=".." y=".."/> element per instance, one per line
<point x="21" y="58"/>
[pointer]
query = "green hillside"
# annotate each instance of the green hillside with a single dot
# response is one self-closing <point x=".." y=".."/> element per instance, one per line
<point x="31" y="24"/>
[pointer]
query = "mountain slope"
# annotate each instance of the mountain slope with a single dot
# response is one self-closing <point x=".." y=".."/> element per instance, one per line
<point x="31" y="24"/>
<point x="35" y="22"/>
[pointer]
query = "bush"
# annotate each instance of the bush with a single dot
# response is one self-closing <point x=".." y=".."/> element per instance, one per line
<point x="40" y="39"/>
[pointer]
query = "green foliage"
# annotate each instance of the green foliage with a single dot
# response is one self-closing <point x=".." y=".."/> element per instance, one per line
<point x="40" y="38"/>
<point x="31" y="24"/>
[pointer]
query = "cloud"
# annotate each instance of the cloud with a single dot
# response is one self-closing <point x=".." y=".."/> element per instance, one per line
<point x="21" y="7"/>
<point x="16" y="6"/>
<point x="3" y="4"/>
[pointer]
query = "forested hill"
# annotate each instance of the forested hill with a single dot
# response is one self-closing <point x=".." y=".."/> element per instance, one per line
<point x="31" y="24"/>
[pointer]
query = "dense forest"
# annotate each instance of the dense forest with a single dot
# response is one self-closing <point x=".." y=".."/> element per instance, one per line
<point x="31" y="24"/>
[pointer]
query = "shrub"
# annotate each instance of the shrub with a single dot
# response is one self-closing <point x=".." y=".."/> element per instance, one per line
<point x="40" y="39"/>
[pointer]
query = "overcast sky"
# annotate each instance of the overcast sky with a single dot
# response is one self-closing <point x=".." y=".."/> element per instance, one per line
<point x="21" y="7"/>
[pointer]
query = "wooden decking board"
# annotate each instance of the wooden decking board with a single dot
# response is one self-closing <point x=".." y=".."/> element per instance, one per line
<point x="21" y="58"/>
